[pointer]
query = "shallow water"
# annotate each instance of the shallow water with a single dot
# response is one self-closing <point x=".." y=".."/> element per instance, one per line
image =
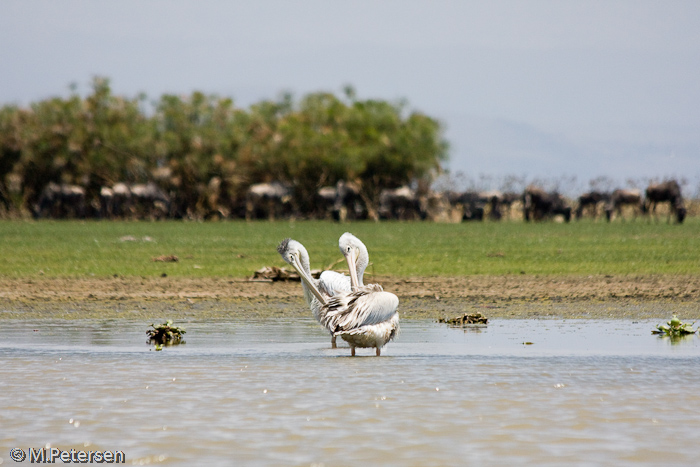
<point x="272" y="392"/>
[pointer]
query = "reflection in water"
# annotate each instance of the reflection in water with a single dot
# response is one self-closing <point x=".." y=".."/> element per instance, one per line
<point x="272" y="392"/>
<point x="470" y="328"/>
<point x="675" y="339"/>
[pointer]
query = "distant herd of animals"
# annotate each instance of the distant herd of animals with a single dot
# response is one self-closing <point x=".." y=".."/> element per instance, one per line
<point x="345" y="202"/>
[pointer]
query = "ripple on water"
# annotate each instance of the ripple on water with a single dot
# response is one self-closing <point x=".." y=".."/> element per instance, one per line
<point x="272" y="392"/>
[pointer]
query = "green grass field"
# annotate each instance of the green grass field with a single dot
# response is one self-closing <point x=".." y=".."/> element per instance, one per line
<point x="236" y="249"/>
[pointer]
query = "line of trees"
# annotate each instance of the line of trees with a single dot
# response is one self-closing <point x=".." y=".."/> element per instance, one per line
<point x="184" y="143"/>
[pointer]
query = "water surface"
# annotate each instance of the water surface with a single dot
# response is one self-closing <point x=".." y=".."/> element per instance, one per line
<point x="272" y="392"/>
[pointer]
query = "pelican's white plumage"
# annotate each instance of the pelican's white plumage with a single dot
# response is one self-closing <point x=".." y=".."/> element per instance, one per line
<point x="332" y="283"/>
<point x="296" y="255"/>
<point x="316" y="291"/>
<point x="367" y="316"/>
<point x="363" y="318"/>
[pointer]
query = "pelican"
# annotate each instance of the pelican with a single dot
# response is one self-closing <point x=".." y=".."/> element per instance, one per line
<point x="296" y="255"/>
<point x="364" y="317"/>
<point x="332" y="283"/>
<point x="367" y="316"/>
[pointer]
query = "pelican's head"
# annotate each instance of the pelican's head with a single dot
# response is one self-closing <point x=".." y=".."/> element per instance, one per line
<point x="296" y="255"/>
<point x="356" y="255"/>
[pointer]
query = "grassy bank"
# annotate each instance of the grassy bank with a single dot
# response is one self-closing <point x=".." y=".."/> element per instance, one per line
<point x="236" y="249"/>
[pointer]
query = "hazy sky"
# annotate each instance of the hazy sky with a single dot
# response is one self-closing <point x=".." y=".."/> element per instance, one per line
<point x="527" y="88"/>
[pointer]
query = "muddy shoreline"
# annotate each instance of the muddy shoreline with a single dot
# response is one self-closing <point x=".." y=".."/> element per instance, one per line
<point x="512" y="296"/>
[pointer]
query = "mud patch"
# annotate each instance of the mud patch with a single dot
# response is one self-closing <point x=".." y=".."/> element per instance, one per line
<point x="512" y="296"/>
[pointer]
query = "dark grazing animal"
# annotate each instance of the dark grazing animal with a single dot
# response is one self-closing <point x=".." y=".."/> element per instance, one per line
<point x="493" y="199"/>
<point x="470" y="202"/>
<point x="540" y="205"/>
<point x="340" y="202"/>
<point x="138" y="201"/>
<point x="268" y="200"/>
<point x="400" y="203"/>
<point x="589" y="202"/>
<point x="670" y="192"/>
<point x="61" y="201"/>
<point x="620" y="198"/>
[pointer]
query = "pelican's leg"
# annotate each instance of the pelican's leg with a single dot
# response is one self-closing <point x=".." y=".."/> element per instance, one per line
<point x="379" y="351"/>
<point x="352" y="351"/>
<point x="333" y="346"/>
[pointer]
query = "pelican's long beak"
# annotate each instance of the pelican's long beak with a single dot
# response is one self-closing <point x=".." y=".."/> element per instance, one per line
<point x="351" y="258"/>
<point x="296" y="264"/>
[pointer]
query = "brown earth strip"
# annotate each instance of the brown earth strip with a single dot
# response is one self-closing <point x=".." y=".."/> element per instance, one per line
<point x="512" y="296"/>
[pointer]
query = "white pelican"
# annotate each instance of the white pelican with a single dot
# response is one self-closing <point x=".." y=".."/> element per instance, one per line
<point x="364" y="318"/>
<point x="296" y="255"/>
<point x="357" y="257"/>
<point x="332" y="283"/>
<point x="367" y="316"/>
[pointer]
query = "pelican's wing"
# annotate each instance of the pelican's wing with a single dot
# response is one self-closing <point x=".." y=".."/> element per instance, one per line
<point x="386" y="331"/>
<point x="332" y="283"/>
<point x="369" y="305"/>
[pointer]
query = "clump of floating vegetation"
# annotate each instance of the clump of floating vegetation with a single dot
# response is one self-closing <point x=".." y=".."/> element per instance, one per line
<point x="165" y="334"/>
<point x="468" y="318"/>
<point x="674" y="328"/>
